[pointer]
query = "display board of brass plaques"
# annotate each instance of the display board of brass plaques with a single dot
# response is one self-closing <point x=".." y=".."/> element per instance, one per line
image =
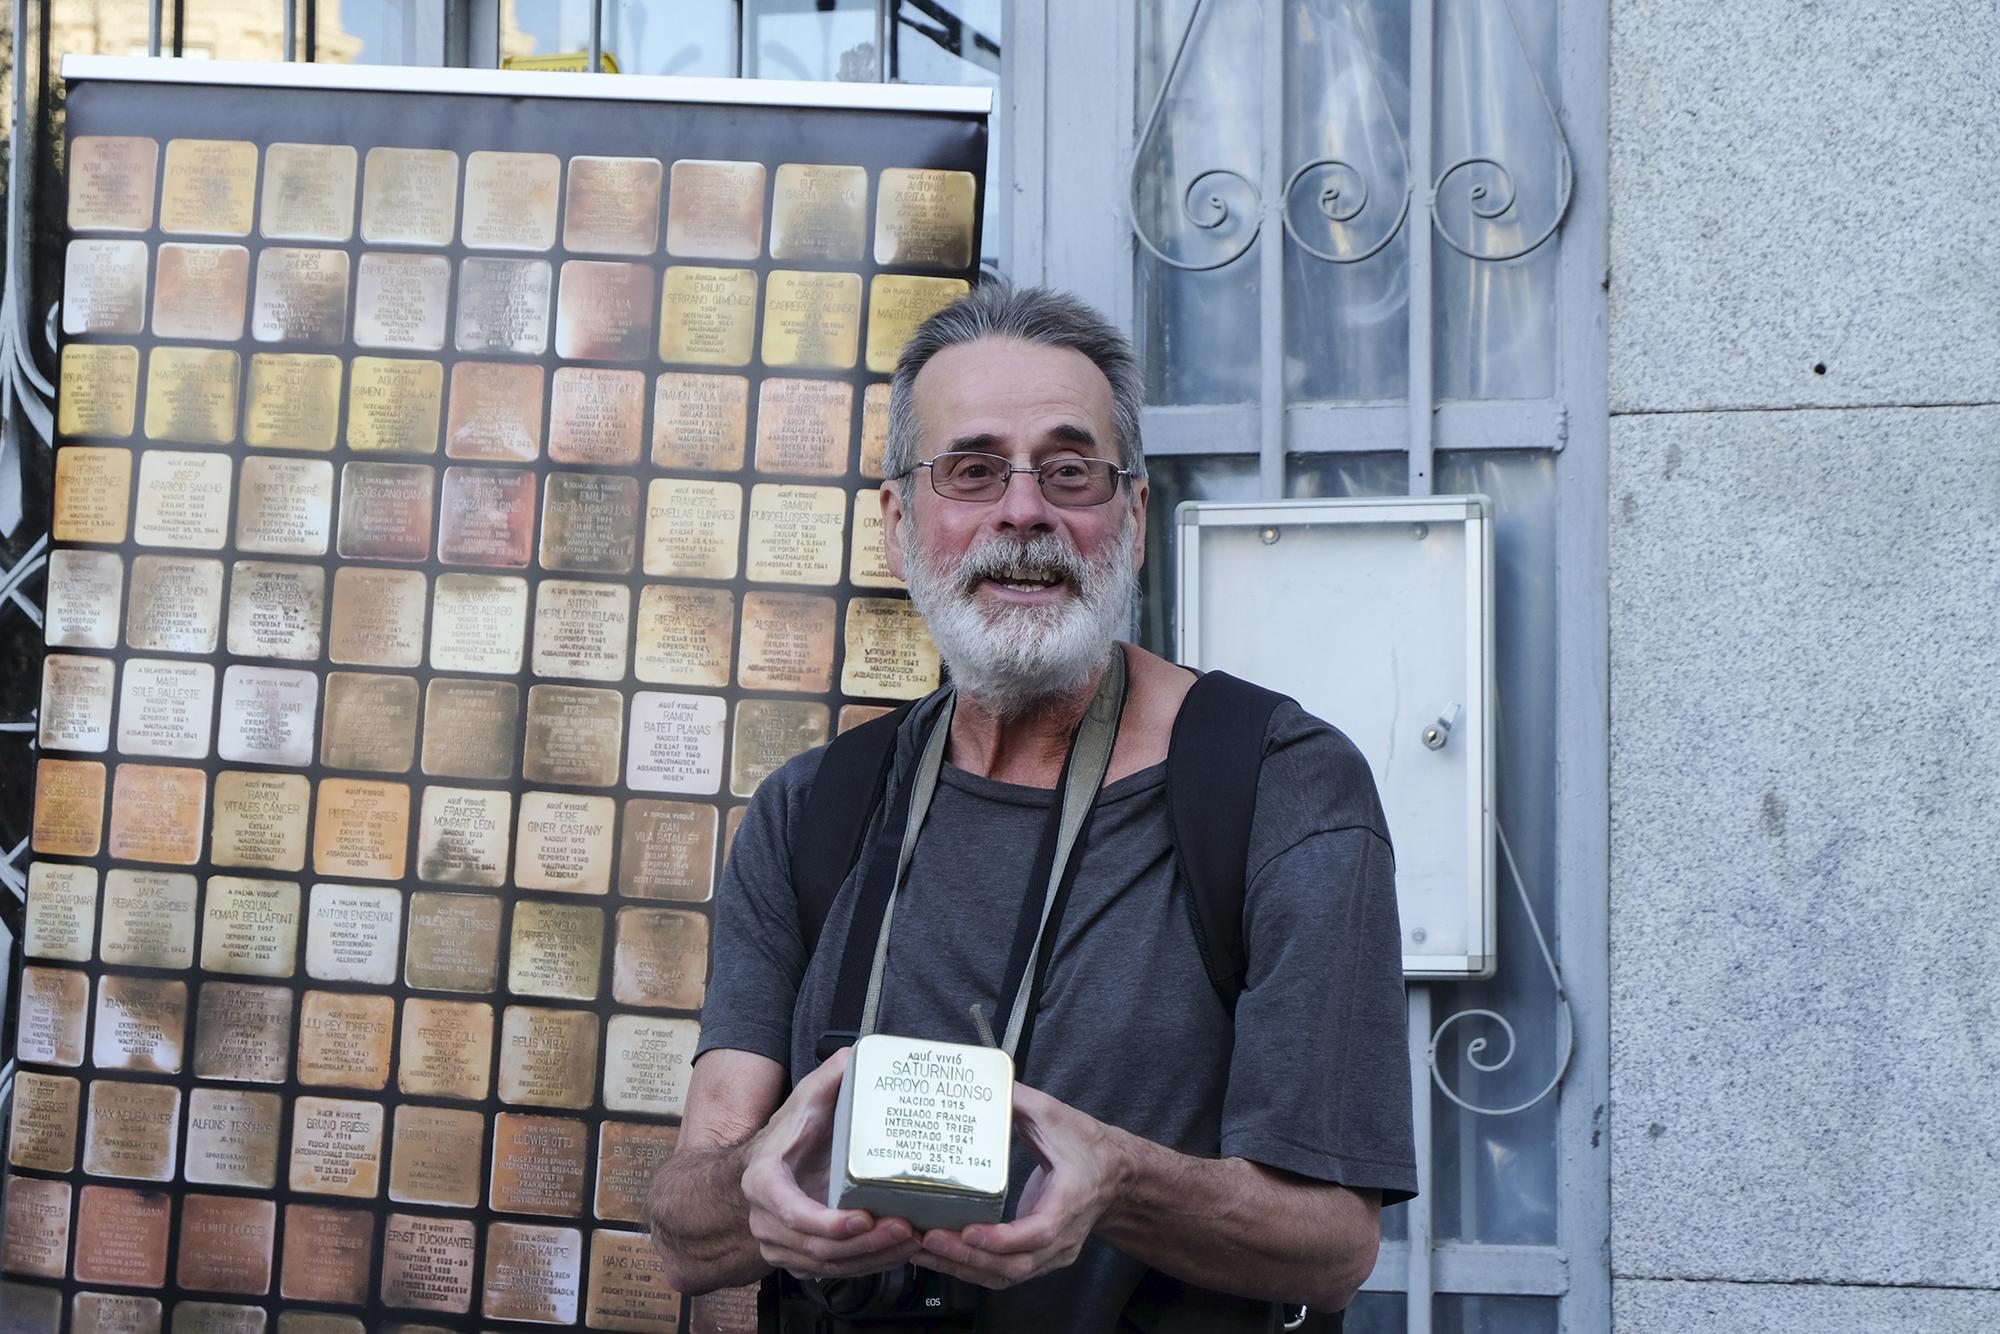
<point x="466" y="493"/>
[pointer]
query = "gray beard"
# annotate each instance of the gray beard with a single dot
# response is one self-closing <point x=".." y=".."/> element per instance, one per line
<point x="1013" y="658"/>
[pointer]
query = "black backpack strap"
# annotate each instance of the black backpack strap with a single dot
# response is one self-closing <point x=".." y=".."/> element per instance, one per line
<point x="1213" y="760"/>
<point x="826" y="841"/>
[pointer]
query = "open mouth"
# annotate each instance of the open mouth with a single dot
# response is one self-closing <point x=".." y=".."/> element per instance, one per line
<point x="1021" y="579"/>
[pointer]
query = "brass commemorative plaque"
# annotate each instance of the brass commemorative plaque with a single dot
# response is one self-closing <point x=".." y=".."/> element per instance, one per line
<point x="727" y="1311"/>
<point x="564" y="843"/>
<point x="628" y="1285"/>
<point x="93" y="494"/>
<point x="352" y="932"/>
<point x="294" y="402"/>
<point x="361" y="827"/>
<point x="532" y="1273"/>
<point x="302" y="295"/>
<point x="43" y="1135"/>
<point x="104" y="287"/>
<point x="191" y="395"/>
<point x="510" y="200"/>
<point x="707" y="316"/>
<point x="463" y="835"/>
<point x="250" y="927"/>
<point x="275" y="609"/>
<point x="176" y="604"/>
<point x="111" y="179"/>
<point x="51" y="1015"/>
<point x="628" y="1153"/>
<point x="647" y="1061"/>
<point x="470" y="728"/>
<point x="410" y="196"/>
<point x="481" y="623"/>
<point x="496" y="411"/>
<point x="201" y="291"/>
<point x="684" y="635"/>
<point x="661" y="958"/>
<point x="692" y="528"/>
<point x="243" y="1032"/>
<point x="260" y="820"/>
<point x="548" y="1058"/>
<point x="131" y="1129"/>
<point x="538" y="1164"/>
<point x="668" y="851"/>
<point x="268" y="715"/>
<point x="336" y="1146"/>
<point x="699" y="421"/>
<point x="226" y="1245"/>
<point x="34" y="1234"/>
<point x="435" y="1156"/>
<point x="802" y="426"/>
<point x="344" y="1039"/>
<point x="393" y="405"/>
<point x="488" y="517"/>
<point x="148" y="918"/>
<point x="605" y="312"/>
<point x="378" y="617"/>
<point x="121" y="1235"/>
<point x="923" y="218"/>
<point x="69" y="807"/>
<point x="614" y="205"/>
<point x="812" y="320"/>
<point x="503" y="305"/>
<point x="768" y="732"/>
<point x="554" y="950"/>
<point x="796" y="534"/>
<point x="447" y="1049"/>
<point x="385" y="512"/>
<point x="868" y="567"/>
<point x="62" y="913"/>
<point x="109" y="1313"/>
<point x="676" y="743"/>
<point x="141" y="1025"/>
<point x="233" y="1137"/>
<point x="76" y="702"/>
<point x="284" y="507"/>
<point x="890" y="653"/>
<point x="99" y="394"/>
<point x="84" y="593"/>
<point x="787" y="642"/>
<point x="715" y="210"/>
<point x="328" y="1254"/>
<point x="590" y="523"/>
<point x="210" y="185"/>
<point x="183" y="499"/>
<point x="371" y="722"/>
<point x="581" y="629"/>
<point x="874" y="429"/>
<point x="594" y="415"/>
<point x="897" y="304"/>
<point x="399" y="301"/>
<point x="819" y="211"/>
<point x="454" y="942"/>
<point x="574" y="735"/>
<point x="427" y="1263"/>
<point x="308" y="192"/>
<point x="157" y="814"/>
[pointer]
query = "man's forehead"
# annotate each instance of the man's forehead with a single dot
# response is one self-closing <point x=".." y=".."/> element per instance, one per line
<point x="1006" y="378"/>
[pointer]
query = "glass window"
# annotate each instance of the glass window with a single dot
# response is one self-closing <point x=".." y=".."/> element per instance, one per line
<point x="1467" y="1313"/>
<point x="365" y="32"/>
<point x="692" y="37"/>
<point x="811" y="39"/>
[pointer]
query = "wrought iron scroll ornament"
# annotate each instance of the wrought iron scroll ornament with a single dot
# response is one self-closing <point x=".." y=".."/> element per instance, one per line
<point x="1481" y="186"/>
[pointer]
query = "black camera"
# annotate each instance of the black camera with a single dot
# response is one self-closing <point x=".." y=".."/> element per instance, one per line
<point x="905" y="1294"/>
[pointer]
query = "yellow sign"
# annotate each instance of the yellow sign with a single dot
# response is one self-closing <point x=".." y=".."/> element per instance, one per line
<point x="577" y="62"/>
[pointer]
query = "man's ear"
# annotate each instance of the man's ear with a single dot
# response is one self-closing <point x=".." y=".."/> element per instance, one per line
<point x="892" y="528"/>
<point x="1139" y="496"/>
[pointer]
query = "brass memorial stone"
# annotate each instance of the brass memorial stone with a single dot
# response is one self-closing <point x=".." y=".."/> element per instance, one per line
<point x="111" y="1313"/>
<point x="853" y="715"/>
<point x="811" y="320"/>
<point x="191" y="396"/>
<point x="725" y="1311"/>
<point x="874" y="428"/>
<point x="378" y="617"/>
<point x="385" y="511"/>
<point x="294" y="403"/>
<point x="595" y="415"/>
<point x="787" y="642"/>
<point x="676" y="743"/>
<point x="922" y="1130"/>
<point x="122" y="1236"/>
<point x="410" y="196"/>
<point x="731" y="823"/>
<point x="890" y="653"/>
<point x="435" y="1156"/>
<point x="668" y="850"/>
<point x="819" y="211"/>
<point x="692" y="528"/>
<point x="328" y="1254"/>
<point x="308" y="192"/>
<point x="111" y="179"/>
<point x="344" y="1039"/>
<point x="707" y="316"/>
<point x="371" y="722"/>
<point x="250" y="927"/>
<point x="868" y="565"/>
<point x="131" y="1129"/>
<point x="399" y="301"/>
<point x="393" y="405"/>
<point x="99" y="394"/>
<point x="260" y="820"/>
<point x="164" y="708"/>
<point x="590" y="523"/>
<point x="361" y="828"/>
<point x="140" y="1025"/>
<point x="628" y="1285"/>
<point x="61" y="917"/>
<point x="275" y="610"/>
<point x="232" y="1137"/>
<point x="427" y="1263"/>
<point x="647" y="1061"/>
<point x="42" y="1136"/>
<point x="628" y="1153"/>
<point x="454" y="942"/>
<point x="157" y="814"/>
<point x="554" y="950"/>
<point x="69" y="807"/>
<point x="93" y="494"/>
<point x="715" y="210"/>
<point x="352" y="932"/>
<point x="447" y="1049"/>
<point x="336" y="1147"/>
<point x="614" y="205"/>
<point x="210" y="185"/>
<point x="84" y="594"/>
<point x="605" y="312"/>
<point x="302" y="295"/>
<point x="481" y="623"/>
<point x="268" y="715"/>
<point x="243" y="1032"/>
<point x="532" y="1273"/>
<point x="226" y="1245"/>
<point x="661" y="959"/>
<point x="574" y="735"/>
<point x="684" y="635"/>
<point x="897" y="304"/>
<point x="50" y="1017"/>
<point x="538" y="1164"/>
<point x="795" y="534"/>
<point x="200" y="291"/>
<point x="219" y="1318"/>
<point x="488" y="517"/>
<point x="34" y="1235"/>
<point x="699" y="421"/>
<point x="564" y="843"/>
<point x="768" y="732"/>
<point x="496" y="411"/>
<point x="76" y="702"/>
<point x="284" y="507"/>
<point x="548" y="1058"/>
<point x="183" y="499"/>
<point x="470" y="728"/>
<point x="462" y="836"/>
<point x="923" y="218"/>
<point x="104" y="287"/>
<point x="802" y="426"/>
<point x="510" y="200"/>
<point x="581" y="628"/>
<point x="148" y="918"/>
<point x="503" y="305"/>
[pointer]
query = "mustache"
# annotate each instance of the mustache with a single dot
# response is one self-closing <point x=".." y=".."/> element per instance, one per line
<point x="1040" y="557"/>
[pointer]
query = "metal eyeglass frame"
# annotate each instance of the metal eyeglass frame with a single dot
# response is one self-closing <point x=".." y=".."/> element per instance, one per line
<point x="1118" y="475"/>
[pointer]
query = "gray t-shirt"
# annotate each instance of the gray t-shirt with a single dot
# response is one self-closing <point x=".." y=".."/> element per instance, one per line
<point x="1312" y="1074"/>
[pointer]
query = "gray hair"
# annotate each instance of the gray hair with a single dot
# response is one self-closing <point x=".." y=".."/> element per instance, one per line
<point x="1032" y="315"/>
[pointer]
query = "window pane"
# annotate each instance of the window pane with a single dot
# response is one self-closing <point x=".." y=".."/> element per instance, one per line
<point x="695" y="37"/>
<point x="365" y="32"/>
<point x="1173" y="480"/>
<point x="810" y="39"/>
<point x="1462" y="1313"/>
<point x="1377" y="1313"/>
<point x="958" y="42"/>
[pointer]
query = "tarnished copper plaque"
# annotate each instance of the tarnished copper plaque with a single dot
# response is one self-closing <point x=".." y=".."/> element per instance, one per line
<point x="811" y="320"/>
<point x="481" y="623"/>
<point x="219" y="1318"/>
<point x="84" y="593"/>
<point x="538" y="1164"/>
<point x="676" y="743"/>
<point x="111" y="179"/>
<point x="410" y="196"/>
<point x="595" y="415"/>
<point x="69" y="807"/>
<point x="260" y="820"/>
<point x="111" y="1313"/>
<point x="352" y="932"/>
<point x="684" y="635"/>
<point x="470" y="728"/>
<point x="42" y="1137"/>
<point x="488" y="517"/>
<point x="210" y="185"/>
<point x="613" y="206"/>
<point x="371" y="722"/>
<point x="728" y="1311"/>
<point x="284" y="507"/>
<point x="308" y="192"/>
<point x="336" y="1146"/>
<point x="715" y="210"/>
<point x="767" y="733"/>
<point x="378" y="617"/>
<point x="93" y="494"/>
<point x="275" y="610"/>
<point x="34" y="1235"/>
<point x="447" y="1049"/>
<point x="394" y="404"/>
<point x="243" y="1031"/>
<point x="708" y="316"/>
<point x="226" y="1244"/>
<point x="590" y="523"/>
<point x="344" y="1039"/>
<point x="302" y="295"/>
<point x="890" y="653"/>
<point x="232" y="1137"/>
<point x="564" y="843"/>
<point x="149" y="918"/>
<point x="360" y="828"/>
<point x="628" y="1285"/>
<point x="668" y="850"/>
<point x="62" y="912"/>
<point x="385" y="511"/>
<point x="580" y="629"/>
<point x="131" y="1130"/>
<point x="294" y="402"/>
<point x="605" y="312"/>
<point x="435" y="1156"/>
<point x="532" y="1273"/>
<point x="140" y="1025"/>
<point x="399" y="301"/>
<point x="463" y="834"/>
<point x="99" y="395"/>
<point x="699" y="421"/>
<point x="503" y="305"/>
<point x="454" y="942"/>
<point x="574" y="735"/>
<point x="923" y="218"/>
<point x="796" y="534"/>
<point x="819" y="211"/>
<point x="200" y="291"/>
<point x="427" y="1263"/>
<point x="183" y="500"/>
<point x="548" y="1058"/>
<point x="250" y="926"/>
<point x="661" y="959"/>
<point x="510" y="200"/>
<point x="121" y="1235"/>
<point x="555" y="950"/>
<point x="158" y="813"/>
<point x="787" y="642"/>
<point x="328" y="1254"/>
<point x="628" y="1154"/>
<point x="647" y="1061"/>
<point x="496" y="411"/>
<point x="803" y="426"/>
<point x="897" y="304"/>
<point x="692" y="528"/>
<point x="104" y="287"/>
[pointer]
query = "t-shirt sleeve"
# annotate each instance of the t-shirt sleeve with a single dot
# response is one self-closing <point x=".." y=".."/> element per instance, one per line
<point x="1319" y="1080"/>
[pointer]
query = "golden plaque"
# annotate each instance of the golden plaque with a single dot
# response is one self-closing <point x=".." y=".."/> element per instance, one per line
<point x="668" y="851"/>
<point x="482" y="623"/>
<point x="243" y="1031"/>
<point x="510" y="200"/>
<point x="646" y="1063"/>
<point x="590" y="522"/>
<point x="250" y="926"/>
<point x="302" y="295"/>
<point x="795" y="534"/>
<point x="344" y="1039"/>
<point x="327" y="1255"/>
<point x="426" y="1265"/>
<point x="84" y="593"/>
<point x="61" y="918"/>
<point x="803" y="426"/>
<point x="130" y="1130"/>
<point x="434" y="1156"/>
<point x="200" y="291"/>
<point x="628" y="1285"/>
<point x="812" y="320"/>
<point x="470" y="728"/>
<point x="111" y="180"/>
<point x="210" y="186"/>
<point x="715" y="210"/>
<point x="393" y="406"/>
<point x="308" y="192"/>
<point x="69" y="807"/>
<point x="708" y="316"/>
<point x="275" y="610"/>
<point x="676" y="743"/>
<point x="554" y="950"/>
<point x="661" y="958"/>
<point x="684" y="635"/>
<point x="148" y="918"/>
<point x="385" y="511"/>
<point x="454" y="942"/>
<point x="77" y="692"/>
<point x="226" y="1244"/>
<point x="874" y="429"/>
<point x="538" y="1164"/>
<point x="503" y="305"/>
<point x="104" y="287"/>
<point x="819" y="212"/>
<point x="352" y="932"/>
<point x="284" y="506"/>
<point x="34" y="1235"/>
<point x="628" y="1154"/>
<point x="378" y="617"/>
<point x="897" y="304"/>
<point x="43" y="1135"/>
<point x="260" y="820"/>
<point x="294" y="402"/>
<point x="183" y="499"/>
<point x="548" y="1058"/>
<point x="787" y="642"/>
<point x="614" y="205"/>
<point x="869" y="565"/>
<point x="140" y="1025"/>
<point x="496" y="411"/>
<point x="890" y="653"/>
<point x="595" y="415"/>
<point x="99" y="394"/>
<point x="699" y="421"/>
<point x="532" y="1273"/>
<point x="488" y="517"/>
<point x="233" y="1137"/>
<point x="93" y="494"/>
<point x="462" y="836"/>
<point x="923" y="218"/>
<point x="581" y="629"/>
<point x="51" y="1014"/>
<point x="121" y="1235"/>
<point x="447" y="1049"/>
<point x="191" y="395"/>
<point x="408" y="196"/>
<point x="361" y="828"/>
<point x="605" y="312"/>
<point x="399" y="301"/>
<point x="157" y="814"/>
<point x="574" y="735"/>
<point x="564" y="843"/>
<point x="768" y="732"/>
<point x="692" y="528"/>
<point x="371" y="722"/>
<point x="336" y="1146"/>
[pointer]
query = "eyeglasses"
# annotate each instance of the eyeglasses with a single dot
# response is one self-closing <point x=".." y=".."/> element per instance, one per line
<point x="1071" y="482"/>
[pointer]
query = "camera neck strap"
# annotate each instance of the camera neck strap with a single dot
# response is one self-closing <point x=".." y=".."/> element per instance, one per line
<point x="1062" y="843"/>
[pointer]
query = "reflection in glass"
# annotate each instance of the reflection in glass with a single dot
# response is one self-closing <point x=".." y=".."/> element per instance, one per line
<point x="1464" y="1313"/>
<point x="810" y="39"/>
<point x="958" y="42"/>
<point x="690" y="37"/>
<point x="1377" y="1313"/>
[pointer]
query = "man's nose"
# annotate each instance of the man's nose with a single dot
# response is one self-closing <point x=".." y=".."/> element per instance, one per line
<point x="1022" y="504"/>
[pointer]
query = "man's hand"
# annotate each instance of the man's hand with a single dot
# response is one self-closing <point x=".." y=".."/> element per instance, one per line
<point x="784" y="1179"/>
<point x="1076" y="1178"/>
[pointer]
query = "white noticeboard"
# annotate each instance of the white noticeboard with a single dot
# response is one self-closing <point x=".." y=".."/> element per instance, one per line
<point x="1376" y="615"/>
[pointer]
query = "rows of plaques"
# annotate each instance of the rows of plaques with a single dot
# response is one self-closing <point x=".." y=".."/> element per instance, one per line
<point x="406" y="681"/>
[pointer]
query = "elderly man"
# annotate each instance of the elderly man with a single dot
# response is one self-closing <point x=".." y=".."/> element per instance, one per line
<point x="1181" y="1162"/>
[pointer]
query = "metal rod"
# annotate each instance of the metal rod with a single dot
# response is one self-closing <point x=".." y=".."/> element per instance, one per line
<point x="291" y="29"/>
<point x="741" y="34"/>
<point x="1271" y="264"/>
<point x="180" y="28"/>
<point x="597" y="36"/>
<point x="312" y="31"/>
<point x="1423" y="40"/>
<point x="153" y="27"/>
<point x="1418" y="1314"/>
<point x="881" y="41"/>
